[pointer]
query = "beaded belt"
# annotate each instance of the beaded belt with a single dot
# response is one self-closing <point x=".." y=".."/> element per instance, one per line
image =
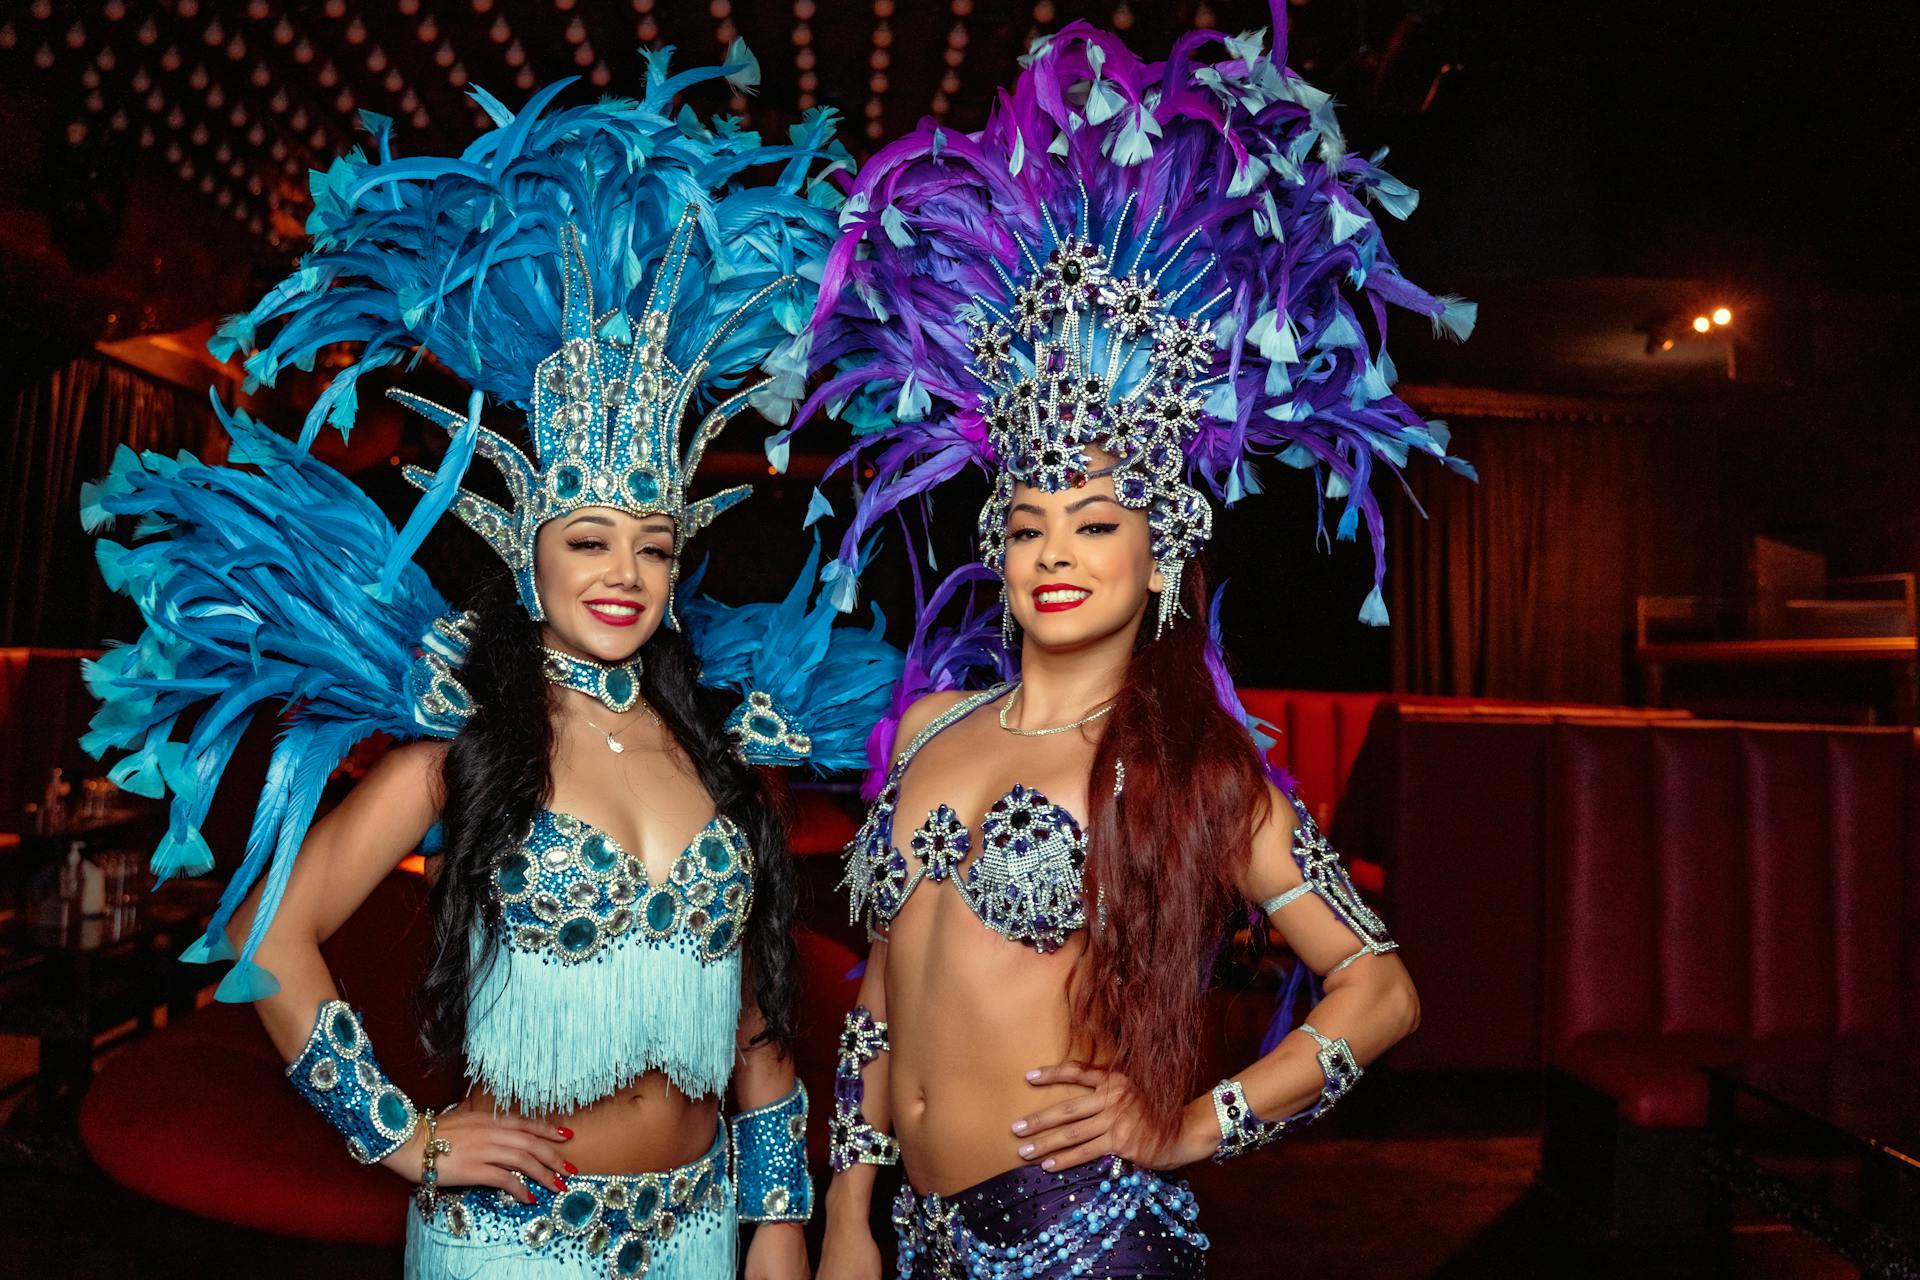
<point x="1108" y="1218"/>
<point x="617" y="1220"/>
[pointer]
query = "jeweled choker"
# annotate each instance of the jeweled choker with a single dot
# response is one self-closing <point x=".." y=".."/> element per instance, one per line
<point x="617" y="687"/>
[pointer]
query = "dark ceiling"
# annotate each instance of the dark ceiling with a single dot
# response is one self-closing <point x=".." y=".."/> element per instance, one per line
<point x="159" y="148"/>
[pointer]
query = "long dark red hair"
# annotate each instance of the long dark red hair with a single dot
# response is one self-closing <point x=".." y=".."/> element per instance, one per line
<point x="1167" y="855"/>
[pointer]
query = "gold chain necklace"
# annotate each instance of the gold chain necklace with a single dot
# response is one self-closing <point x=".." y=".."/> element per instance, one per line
<point x="1089" y="718"/>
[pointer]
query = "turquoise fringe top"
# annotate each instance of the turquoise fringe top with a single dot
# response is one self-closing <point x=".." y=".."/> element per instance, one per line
<point x="602" y="975"/>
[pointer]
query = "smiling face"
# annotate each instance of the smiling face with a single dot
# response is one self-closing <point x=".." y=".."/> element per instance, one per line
<point x="1079" y="565"/>
<point x="603" y="577"/>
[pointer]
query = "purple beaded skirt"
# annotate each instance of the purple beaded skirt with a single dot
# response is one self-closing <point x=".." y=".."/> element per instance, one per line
<point x="1109" y="1218"/>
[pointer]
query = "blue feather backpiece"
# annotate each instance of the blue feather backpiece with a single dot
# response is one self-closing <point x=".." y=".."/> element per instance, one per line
<point x="811" y="690"/>
<point x="253" y="584"/>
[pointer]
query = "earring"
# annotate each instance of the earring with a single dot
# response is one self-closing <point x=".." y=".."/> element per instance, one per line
<point x="1169" y="595"/>
<point x="1006" y="618"/>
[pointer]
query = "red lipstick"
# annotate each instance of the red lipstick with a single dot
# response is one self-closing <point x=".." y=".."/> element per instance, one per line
<point x="616" y="619"/>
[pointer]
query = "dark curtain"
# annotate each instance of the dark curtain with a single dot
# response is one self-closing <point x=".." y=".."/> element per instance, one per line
<point x="1523" y="585"/>
<point x="64" y="430"/>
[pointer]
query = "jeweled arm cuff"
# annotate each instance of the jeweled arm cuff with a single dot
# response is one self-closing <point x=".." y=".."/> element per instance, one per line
<point x="338" y="1075"/>
<point x="1241" y="1131"/>
<point x="850" y="1139"/>
<point x="770" y="1154"/>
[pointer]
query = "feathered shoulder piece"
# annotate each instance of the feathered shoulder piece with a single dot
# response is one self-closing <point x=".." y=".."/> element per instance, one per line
<point x="810" y="690"/>
<point x="1176" y="264"/>
<point x="251" y="583"/>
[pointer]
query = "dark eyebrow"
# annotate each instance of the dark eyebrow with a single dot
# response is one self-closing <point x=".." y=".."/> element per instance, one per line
<point x="657" y="524"/>
<point x="1027" y="507"/>
<point x="587" y="517"/>
<point x="1088" y="501"/>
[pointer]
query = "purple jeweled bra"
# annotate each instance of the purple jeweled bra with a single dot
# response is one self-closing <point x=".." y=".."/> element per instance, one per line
<point x="1026" y="885"/>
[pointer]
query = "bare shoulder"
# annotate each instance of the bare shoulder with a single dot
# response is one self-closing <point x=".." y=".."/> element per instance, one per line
<point x="414" y="766"/>
<point x="1277" y="819"/>
<point x="1271" y="868"/>
<point x="923" y="712"/>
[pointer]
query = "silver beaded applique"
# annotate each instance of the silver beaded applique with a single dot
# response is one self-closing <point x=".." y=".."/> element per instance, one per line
<point x="1094" y="355"/>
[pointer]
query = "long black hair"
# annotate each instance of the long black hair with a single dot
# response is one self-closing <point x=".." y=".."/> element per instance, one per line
<point x="498" y="772"/>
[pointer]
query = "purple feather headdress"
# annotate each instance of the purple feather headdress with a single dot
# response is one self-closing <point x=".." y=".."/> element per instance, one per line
<point x="1173" y="263"/>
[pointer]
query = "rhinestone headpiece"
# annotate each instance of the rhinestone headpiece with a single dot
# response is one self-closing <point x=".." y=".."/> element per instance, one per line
<point x="1096" y="354"/>
<point x="606" y="418"/>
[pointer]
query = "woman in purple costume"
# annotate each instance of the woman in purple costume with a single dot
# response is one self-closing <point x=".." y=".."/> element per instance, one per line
<point x="1132" y="284"/>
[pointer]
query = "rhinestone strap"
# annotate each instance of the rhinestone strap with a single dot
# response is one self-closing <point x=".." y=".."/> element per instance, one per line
<point x="339" y="1077"/>
<point x="850" y="1139"/>
<point x="1241" y="1131"/>
<point x="770" y="1155"/>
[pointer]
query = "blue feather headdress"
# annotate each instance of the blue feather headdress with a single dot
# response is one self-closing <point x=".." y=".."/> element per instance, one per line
<point x="1173" y="263"/>
<point x="598" y="267"/>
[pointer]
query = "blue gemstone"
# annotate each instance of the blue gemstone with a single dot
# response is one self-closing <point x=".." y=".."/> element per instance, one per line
<point x="645" y="1201"/>
<point x="766" y="726"/>
<point x="619" y="683"/>
<point x="599" y="852"/>
<point x="719" y="854"/>
<point x="346" y="1032"/>
<point x="513" y="874"/>
<point x="661" y="909"/>
<point x="577" y="934"/>
<point x="567" y="482"/>
<point x="717" y="940"/>
<point x="631" y="1259"/>
<point x="392" y="1110"/>
<point x="576" y="1208"/>
<point x="643" y="485"/>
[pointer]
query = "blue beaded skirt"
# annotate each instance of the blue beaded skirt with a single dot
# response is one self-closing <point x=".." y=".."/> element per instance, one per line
<point x="1108" y="1218"/>
<point x="675" y="1225"/>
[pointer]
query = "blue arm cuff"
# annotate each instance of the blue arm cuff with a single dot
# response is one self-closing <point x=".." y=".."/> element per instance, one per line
<point x="338" y="1075"/>
<point x="770" y="1154"/>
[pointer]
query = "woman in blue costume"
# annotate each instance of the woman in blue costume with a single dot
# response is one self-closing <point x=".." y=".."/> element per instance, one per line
<point x="612" y="896"/>
<point x="1137" y="283"/>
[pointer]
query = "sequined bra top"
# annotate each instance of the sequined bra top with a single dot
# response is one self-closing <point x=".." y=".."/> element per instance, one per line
<point x="1026" y="885"/>
<point x="601" y="974"/>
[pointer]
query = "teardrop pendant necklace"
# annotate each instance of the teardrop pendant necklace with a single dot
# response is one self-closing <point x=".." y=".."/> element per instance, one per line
<point x="613" y="737"/>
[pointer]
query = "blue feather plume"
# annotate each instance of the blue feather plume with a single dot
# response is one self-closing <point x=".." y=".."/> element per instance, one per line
<point x="252" y="583"/>
<point x="808" y="678"/>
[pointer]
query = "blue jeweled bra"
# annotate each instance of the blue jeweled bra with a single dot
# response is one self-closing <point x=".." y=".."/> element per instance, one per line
<point x="1027" y="883"/>
<point x="571" y="890"/>
<point x="601" y="974"/>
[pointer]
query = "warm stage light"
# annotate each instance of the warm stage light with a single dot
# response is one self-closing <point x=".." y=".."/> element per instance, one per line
<point x="1701" y="324"/>
<point x="1723" y="315"/>
<point x="1666" y="344"/>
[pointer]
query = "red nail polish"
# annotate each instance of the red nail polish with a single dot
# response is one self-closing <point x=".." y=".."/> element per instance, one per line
<point x="559" y="1184"/>
<point x="568" y="1165"/>
<point x="563" y="1131"/>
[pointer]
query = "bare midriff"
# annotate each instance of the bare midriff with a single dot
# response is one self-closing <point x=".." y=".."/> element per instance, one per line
<point x="647" y="1127"/>
<point x="969" y="1013"/>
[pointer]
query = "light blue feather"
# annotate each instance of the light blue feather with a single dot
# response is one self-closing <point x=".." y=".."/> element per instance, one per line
<point x="251" y="584"/>
<point x="829" y="682"/>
